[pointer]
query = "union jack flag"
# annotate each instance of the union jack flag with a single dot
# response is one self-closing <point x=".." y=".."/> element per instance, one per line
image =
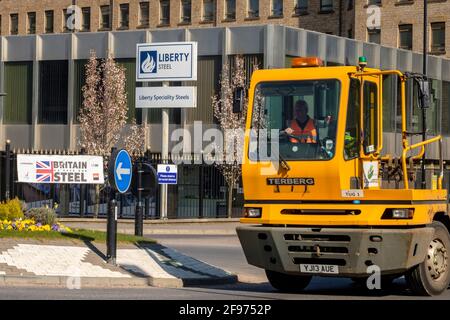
<point x="44" y="171"/>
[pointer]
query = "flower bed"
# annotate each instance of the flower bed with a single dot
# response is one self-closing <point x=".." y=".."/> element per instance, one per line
<point x="31" y="225"/>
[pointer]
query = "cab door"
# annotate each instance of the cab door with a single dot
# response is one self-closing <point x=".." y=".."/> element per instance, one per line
<point x="363" y="133"/>
<point x="371" y="132"/>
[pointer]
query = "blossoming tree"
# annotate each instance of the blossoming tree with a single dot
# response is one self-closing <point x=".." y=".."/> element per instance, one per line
<point x="232" y="124"/>
<point x="103" y="114"/>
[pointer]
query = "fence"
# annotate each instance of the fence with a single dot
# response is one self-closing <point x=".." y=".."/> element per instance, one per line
<point x="200" y="193"/>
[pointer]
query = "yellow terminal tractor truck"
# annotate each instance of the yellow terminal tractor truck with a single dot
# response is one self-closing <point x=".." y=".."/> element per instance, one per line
<point x="317" y="202"/>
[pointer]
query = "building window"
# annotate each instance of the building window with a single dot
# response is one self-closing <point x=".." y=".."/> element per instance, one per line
<point x="277" y="8"/>
<point x="165" y="12"/>
<point x="86" y="19"/>
<point x="208" y="10"/>
<point x="53" y="80"/>
<point x="31" y="22"/>
<point x="124" y="15"/>
<point x="405" y="36"/>
<point x="326" y="5"/>
<point x="14" y="27"/>
<point x="253" y="9"/>
<point x="49" y="21"/>
<point x="301" y="7"/>
<point x="230" y="9"/>
<point x="350" y="33"/>
<point x="374" y="2"/>
<point x="66" y="16"/>
<point x="105" y="17"/>
<point x="18" y="83"/>
<point x="144" y="14"/>
<point x="350" y="5"/>
<point x="438" y="37"/>
<point x="186" y="11"/>
<point x="374" y="35"/>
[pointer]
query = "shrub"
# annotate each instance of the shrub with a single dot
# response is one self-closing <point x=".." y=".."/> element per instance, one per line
<point x="15" y="209"/>
<point x="11" y="210"/>
<point x="42" y="215"/>
<point x="4" y="210"/>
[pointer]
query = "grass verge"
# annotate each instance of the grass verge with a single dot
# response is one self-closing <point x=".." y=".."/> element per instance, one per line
<point x="77" y="234"/>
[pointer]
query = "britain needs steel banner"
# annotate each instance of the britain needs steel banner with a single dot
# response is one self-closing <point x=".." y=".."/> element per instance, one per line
<point x="60" y="169"/>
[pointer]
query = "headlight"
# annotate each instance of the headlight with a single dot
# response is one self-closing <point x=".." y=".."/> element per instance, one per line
<point x="406" y="213"/>
<point x="252" y="212"/>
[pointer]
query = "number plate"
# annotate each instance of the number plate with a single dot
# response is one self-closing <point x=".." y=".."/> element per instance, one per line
<point x="319" y="268"/>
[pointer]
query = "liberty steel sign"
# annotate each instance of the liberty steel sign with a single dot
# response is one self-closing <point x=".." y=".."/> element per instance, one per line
<point x="166" y="61"/>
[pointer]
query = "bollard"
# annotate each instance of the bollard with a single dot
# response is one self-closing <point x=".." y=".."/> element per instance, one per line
<point x="7" y="168"/>
<point x="111" y="232"/>
<point x="139" y="218"/>
<point x="82" y="193"/>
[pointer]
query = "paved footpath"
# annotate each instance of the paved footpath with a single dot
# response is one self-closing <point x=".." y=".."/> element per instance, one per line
<point x="169" y="227"/>
<point x="75" y="263"/>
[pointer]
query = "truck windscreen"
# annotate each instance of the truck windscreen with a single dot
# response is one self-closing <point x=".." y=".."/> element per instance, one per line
<point x="294" y="120"/>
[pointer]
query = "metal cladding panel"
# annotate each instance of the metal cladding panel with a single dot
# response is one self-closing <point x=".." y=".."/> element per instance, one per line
<point x="372" y="53"/>
<point x="210" y="41"/>
<point x="97" y="41"/>
<point x="417" y="62"/>
<point x="20" y="48"/>
<point x="404" y="60"/>
<point x="244" y="40"/>
<point x="445" y="70"/>
<point x="51" y="136"/>
<point x="434" y="69"/>
<point x="173" y="35"/>
<point x="125" y="43"/>
<point x="292" y="41"/>
<point x="387" y="58"/>
<point x="313" y="44"/>
<point x="333" y="49"/>
<point x="351" y="52"/>
<point x="20" y="135"/>
<point x="55" y="47"/>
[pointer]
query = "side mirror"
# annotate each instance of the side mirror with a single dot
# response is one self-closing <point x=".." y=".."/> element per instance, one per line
<point x="423" y="87"/>
<point x="238" y="100"/>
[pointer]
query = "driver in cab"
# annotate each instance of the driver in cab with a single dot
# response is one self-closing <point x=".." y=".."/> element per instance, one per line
<point x="302" y="126"/>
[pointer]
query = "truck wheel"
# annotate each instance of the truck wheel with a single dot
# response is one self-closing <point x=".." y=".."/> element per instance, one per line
<point x="432" y="276"/>
<point x="286" y="282"/>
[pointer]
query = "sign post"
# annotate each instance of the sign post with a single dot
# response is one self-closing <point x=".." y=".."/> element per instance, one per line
<point x="120" y="175"/>
<point x="164" y="156"/>
<point x="168" y="61"/>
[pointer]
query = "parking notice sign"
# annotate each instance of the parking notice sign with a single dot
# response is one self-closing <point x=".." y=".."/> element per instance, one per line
<point x="167" y="174"/>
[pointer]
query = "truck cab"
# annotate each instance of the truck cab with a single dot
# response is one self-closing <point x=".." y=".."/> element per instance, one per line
<point x="314" y="173"/>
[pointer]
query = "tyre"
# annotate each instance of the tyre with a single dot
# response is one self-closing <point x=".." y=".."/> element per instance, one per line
<point x="286" y="282"/>
<point x="432" y="276"/>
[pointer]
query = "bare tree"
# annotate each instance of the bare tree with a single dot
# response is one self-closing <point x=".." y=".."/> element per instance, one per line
<point x="103" y="114"/>
<point x="232" y="124"/>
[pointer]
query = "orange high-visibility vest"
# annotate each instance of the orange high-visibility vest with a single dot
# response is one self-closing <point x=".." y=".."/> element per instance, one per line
<point x="308" y="134"/>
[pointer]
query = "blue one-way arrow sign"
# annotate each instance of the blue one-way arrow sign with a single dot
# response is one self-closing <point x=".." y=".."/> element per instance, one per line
<point x="122" y="171"/>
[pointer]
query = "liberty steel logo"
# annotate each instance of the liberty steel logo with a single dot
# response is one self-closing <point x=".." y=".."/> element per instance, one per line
<point x="149" y="62"/>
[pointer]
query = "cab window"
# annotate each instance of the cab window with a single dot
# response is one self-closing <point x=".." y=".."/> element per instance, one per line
<point x="370" y="117"/>
<point x="351" y="137"/>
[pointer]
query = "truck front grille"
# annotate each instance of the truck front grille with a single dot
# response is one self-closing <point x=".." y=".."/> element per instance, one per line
<point x="316" y="237"/>
<point x="333" y="262"/>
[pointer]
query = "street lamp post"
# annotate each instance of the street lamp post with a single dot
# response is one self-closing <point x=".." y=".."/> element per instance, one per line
<point x="424" y="114"/>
